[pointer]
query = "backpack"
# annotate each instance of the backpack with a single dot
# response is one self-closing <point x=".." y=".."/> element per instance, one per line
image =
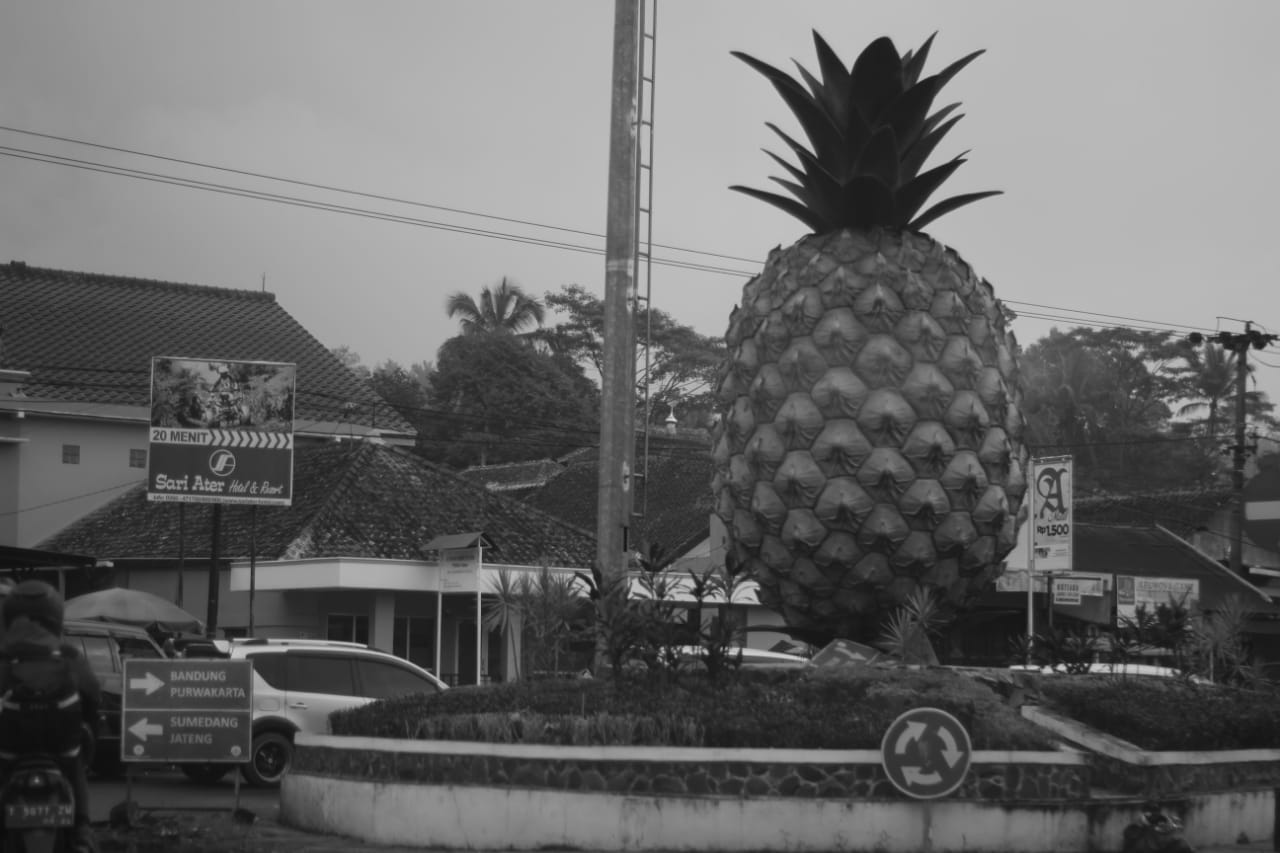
<point x="40" y="707"/>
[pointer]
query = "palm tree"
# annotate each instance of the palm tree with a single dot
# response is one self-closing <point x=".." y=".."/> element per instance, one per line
<point x="1210" y="375"/>
<point x="504" y="309"/>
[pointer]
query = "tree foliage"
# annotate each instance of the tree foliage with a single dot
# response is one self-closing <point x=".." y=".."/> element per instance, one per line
<point x="679" y="374"/>
<point x="1119" y="401"/>
<point x="406" y="389"/>
<point x="1105" y="397"/>
<point x="494" y="398"/>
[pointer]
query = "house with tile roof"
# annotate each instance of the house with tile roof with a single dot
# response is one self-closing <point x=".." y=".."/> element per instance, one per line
<point x="75" y="383"/>
<point x="379" y="546"/>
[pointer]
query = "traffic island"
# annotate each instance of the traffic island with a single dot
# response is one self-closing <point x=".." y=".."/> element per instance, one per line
<point x="464" y="795"/>
<point x="923" y="790"/>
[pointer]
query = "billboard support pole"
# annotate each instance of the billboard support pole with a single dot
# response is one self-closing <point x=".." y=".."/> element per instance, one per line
<point x="253" y="560"/>
<point x="182" y="548"/>
<point x="211" y="614"/>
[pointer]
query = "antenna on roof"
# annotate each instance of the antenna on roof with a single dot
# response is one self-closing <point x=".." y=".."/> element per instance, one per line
<point x="264" y="282"/>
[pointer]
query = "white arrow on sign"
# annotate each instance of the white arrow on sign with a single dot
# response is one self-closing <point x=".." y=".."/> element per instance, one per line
<point x="142" y="729"/>
<point x="916" y="776"/>
<point x="950" y="749"/>
<point x="150" y="683"/>
<point x="911" y="731"/>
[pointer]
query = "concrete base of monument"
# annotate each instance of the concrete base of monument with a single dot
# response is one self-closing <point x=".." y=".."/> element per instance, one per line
<point x="483" y="796"/>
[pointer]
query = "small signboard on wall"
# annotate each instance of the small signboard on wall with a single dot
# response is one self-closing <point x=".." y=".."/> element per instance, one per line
<point x="459" y="571"/>
<point x="1134" y="591"/>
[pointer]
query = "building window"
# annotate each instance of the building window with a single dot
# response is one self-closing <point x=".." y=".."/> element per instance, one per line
<point x="70" y="454"/>
<point x="137" y="459"/>
<point x="414" y="639"/>
<point x="350" y="628"/>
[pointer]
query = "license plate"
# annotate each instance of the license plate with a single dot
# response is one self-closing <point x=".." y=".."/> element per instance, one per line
<point x="32" y="815"/>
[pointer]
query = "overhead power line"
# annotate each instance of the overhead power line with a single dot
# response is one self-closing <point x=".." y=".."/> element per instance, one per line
<point x="1047" y="313"/>
<point x="347" y="191"/>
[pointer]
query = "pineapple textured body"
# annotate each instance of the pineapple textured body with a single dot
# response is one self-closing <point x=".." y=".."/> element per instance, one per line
<point x="870" y="440"/>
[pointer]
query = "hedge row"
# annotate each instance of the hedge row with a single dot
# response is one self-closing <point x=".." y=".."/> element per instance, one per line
<point x="825" y="708"/>
<point x="1168" y="714"/>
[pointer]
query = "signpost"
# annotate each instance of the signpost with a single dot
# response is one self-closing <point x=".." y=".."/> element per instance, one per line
<point x="186" y="711"/>
<point x="926" y="753"/>
<point x="1261" y="499"/>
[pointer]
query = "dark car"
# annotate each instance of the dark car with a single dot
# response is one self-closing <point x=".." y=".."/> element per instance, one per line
<point x="106" y="646"/>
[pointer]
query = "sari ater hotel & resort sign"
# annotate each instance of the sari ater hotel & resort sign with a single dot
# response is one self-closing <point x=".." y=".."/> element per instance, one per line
<point x="221" y="432"/>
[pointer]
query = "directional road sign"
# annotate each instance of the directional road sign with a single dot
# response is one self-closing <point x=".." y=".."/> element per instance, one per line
<point x="179" y="711"/>
<point x="926" y="753"/>
<point x="1261" y="497"/>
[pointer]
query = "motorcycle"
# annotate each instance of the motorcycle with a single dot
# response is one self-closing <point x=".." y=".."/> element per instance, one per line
<point x="39" y="808"/>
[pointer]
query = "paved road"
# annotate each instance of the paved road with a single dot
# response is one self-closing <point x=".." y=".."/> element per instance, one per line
<point x="161" y="787"/>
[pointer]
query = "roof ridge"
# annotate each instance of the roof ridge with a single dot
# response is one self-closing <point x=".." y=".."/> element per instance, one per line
<point x="21" y="267"/>
<point x="487" y="495"/>
<point x="543" y="461"/>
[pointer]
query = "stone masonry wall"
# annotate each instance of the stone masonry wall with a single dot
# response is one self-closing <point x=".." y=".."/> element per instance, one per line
<point x="1012" y="782"/>
<point x="1164" y="780"/>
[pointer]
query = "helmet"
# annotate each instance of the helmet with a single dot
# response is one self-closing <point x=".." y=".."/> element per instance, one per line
<point x="37" y="601"/>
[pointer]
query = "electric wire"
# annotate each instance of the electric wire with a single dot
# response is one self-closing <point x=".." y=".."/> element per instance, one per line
<point x="1063" y="314"/>
<point x="329" y="207"/>
<point x="345" y="191"/>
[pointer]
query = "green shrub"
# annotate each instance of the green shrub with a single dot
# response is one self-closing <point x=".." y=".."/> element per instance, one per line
<point x="1168" y="714"/>
<point x="823" y="708"/>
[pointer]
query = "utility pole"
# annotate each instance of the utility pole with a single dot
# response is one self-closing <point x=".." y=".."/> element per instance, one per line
<point x="617" y="398"/>
<point x="1237" y="453"/>
<point x="1238" y="344"/>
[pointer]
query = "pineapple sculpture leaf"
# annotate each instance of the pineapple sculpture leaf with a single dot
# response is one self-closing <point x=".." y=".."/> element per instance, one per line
<point x="870" y="446"/>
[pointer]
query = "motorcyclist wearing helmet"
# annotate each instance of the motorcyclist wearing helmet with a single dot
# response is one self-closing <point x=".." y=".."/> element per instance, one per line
<point x="33" y="614"/>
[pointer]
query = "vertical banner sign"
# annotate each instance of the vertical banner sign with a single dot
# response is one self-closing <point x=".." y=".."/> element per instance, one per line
<point x="1051" y="534"/>
<point x="221" y="432"/>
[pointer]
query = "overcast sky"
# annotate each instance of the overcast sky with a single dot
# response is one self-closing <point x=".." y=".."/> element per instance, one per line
<point x="1134" y="141"/>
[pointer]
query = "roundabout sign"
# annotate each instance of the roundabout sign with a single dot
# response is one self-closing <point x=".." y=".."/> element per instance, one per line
<point x="926" y="753"/>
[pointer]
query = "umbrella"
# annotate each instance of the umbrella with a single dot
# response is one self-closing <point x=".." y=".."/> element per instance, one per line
<point x="132" y="607"/>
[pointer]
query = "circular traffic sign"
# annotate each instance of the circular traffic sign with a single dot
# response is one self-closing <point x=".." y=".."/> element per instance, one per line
<point x="926" y="753"/>
<point x="1261" y="499"/>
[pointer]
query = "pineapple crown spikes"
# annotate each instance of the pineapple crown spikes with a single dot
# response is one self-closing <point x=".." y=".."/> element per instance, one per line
<point x="870" y="131"/>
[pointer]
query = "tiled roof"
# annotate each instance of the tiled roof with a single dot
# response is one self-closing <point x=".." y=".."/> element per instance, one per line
<point x="675" y="497"/>
<point x="1180" y="510"/>
<point x="1146" y="550"/>
<point x="1151" y="552"/>
<point x="89" y="338"/>
<point x="350" y="499"/>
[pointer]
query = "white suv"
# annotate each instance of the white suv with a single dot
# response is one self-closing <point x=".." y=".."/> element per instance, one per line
<point x="297" y="684"/>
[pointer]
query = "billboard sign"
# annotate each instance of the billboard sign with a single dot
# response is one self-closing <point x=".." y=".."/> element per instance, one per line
<point x="1051" y="508"/>
<point x="1134" y="591"/>
<point x="221" y="432"/>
